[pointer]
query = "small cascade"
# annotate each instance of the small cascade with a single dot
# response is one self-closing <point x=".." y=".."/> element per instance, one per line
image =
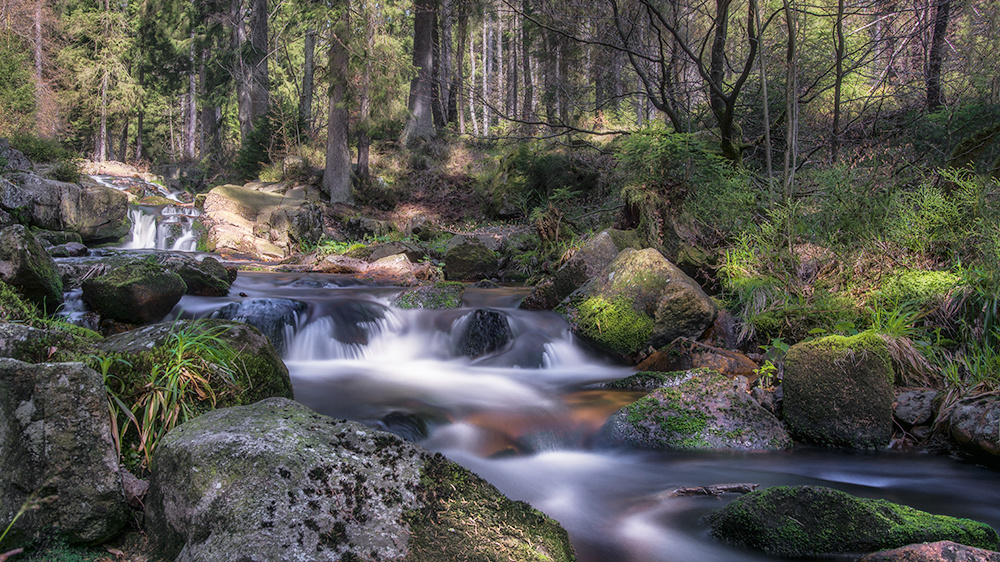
<point x="163" y="228"/>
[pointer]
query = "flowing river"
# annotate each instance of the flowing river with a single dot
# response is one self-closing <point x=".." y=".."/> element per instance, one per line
<point x="525" y="419"/>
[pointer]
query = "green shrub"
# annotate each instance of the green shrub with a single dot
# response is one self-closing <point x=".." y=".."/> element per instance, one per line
<point x="38" y="149"/>
<point x="67" y="170"/>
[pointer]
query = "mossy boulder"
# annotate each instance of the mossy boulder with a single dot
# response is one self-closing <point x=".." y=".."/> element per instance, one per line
<point x="813" y="521"/>
<point x="275" y="480"/>
<point x="440" y="295"/>
<point x="640" y="299"/>
<point x="838" y="391"/>
<point x="137" y="292"/>
<point x="468" y="259"/>
<point x="26" y="266"/>
<point x="58" y="458"/>
<point x="97" y="212"/>
<point x="587" y="262"/>
<point x="261" y="372"/>
<point x="918" y="287"/>
<point x="696" y="410"/>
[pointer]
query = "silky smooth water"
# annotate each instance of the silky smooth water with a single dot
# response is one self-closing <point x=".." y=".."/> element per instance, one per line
<point x="525" y="418"/>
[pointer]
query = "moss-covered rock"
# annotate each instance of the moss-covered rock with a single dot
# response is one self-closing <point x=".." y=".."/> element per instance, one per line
<point x="587" y="262"/>
<point x="918" y="287"/>
<point x="696" y="410"/>
<point x="275" y="480"/>
<point x="838" y="391"/>
<point x="206" y="278"/>
<point x="58" y="458"/>
<point x="468" y="259"/>
<point x="640" y="299"/>
<point x="443" y="294"/>
<point x="974" y="424"/>
<point x="26" y="266"/>
<point x="800" y="521"/>
<point x="138" y="292"/>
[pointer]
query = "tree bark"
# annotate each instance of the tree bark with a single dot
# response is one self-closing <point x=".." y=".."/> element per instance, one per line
<point x="458" y="75"/>
<point x="308" y="66"/>
<point x="101" y="148"/>
<point x="259" y="95"/>
<point x="838" y="81"/>
<point x="420" y="123"/>
<point x="936" y="56"/>
<point x="527" y="104"/>
<point x="791" y="101"/>
<point x="337" y="175"/>
<point x="191" y="135"/>
<point x="365" y="97"/>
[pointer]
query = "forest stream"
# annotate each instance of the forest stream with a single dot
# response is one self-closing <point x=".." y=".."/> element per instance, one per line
<point x="526" y="419"/>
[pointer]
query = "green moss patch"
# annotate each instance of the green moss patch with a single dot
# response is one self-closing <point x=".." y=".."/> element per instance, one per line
<point x="613" y="324"/>
<point x="441" y="295"/>
<point x="800" y="521"/>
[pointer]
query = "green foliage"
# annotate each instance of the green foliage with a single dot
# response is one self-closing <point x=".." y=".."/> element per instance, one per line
<point x="184" y="376"/>
<point x="257" y="147"/>
<point x="67" y="170"/>
<point x="920" y="288"/>
<point x="17" y="91"/>
<point x="38" y="149"/>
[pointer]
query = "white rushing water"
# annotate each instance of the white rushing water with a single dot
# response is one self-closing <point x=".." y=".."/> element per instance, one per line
<point x="525" y="418"/>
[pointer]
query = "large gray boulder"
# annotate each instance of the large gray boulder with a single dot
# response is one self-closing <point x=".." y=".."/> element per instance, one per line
<point x="29" y="268"/>
<point x="812" y="521"/>
<point x="15" y="160"/>
<point x="206" y="277"/>
<point x="588" y="262"/>
<point x="276" y="481"/>
<point x="639" y="300"/>
<point x="261" y="222"/>
<point x="138" y="292"/>
<point x="57" y="454"/>
<point x="98" y="213"/>
<point x="838" y="391"/>
<point x="696" y="410"/>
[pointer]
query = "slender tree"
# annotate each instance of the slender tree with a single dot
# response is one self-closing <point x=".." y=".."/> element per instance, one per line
<point x="420" y="123"/>
<point x="337" y="175"/>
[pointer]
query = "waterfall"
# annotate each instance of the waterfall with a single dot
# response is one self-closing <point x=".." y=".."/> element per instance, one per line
<point x="166" y="228"/>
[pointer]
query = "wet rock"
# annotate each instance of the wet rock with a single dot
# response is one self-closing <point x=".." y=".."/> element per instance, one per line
<point x="933" y="552"/>
<point x="444" y="294"/>
<point x="483" y="331"/>
<point x="640" y="299"/>
<point x="138" y="292"/>
<point x="206" y="278"/>
<point x="26" y="266"/>
<point x="812" y="521"/>
<point x="915" y="407"/>
<point x="838" y="391"/>
<point x="335" y="263"/>
<point x="276" y="481"/>
<point x="261" y="370"/>
<point x="589" y="261"/>
<point x="683" y="354"/>
<point x="273" y="317"/>
<point x="68" y="250"/>
<point x="468" y="259"/>
<point x="410" y="427"/>
<point x="696" y="410"/>
<point x="975" y="425"/>
<point x="58" y="455"/>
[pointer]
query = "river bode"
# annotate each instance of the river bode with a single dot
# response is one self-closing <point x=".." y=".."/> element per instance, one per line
<point x="525" y="418"/>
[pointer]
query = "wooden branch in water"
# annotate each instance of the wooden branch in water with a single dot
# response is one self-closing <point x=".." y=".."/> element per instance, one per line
<point x="713" y="490"/>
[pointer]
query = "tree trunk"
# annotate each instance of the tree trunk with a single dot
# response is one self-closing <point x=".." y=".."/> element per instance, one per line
<point x="337" y="175"/>
<point x="527" y="104"/>
<point x="241" y="67"/>
<point x="444" y="68"/>
<point x="191" y="146"/>
<point x="259" y="97"/>
<point x="791" y="102"/>
<point x="365" y="98"/>
<point x="936" y="56"/>
<point x="458" y="75"/>
<point x="838" y="81"/>
<point x="101" y="148"/>
<point x="39" y="84"/>
<point x="306" y="99"/>
<point x="420" y="123"/>
<point x="123" y="143"/>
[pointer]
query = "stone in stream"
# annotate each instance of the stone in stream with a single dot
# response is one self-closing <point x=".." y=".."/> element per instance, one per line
<point x="694" y="410"/>
<point x="271" y="316"/>
<point x="466" y="258"/>
<point x="483" y="331"/>
<point x="813" y="521"/>
<point x="137" y="292"/>
<point x="277" y="481"/>
<point x="974" y="424"/>
<point x="933" y="552"/>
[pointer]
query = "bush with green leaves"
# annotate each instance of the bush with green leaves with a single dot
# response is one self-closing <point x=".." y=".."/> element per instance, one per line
<point x="38" y="149"/>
